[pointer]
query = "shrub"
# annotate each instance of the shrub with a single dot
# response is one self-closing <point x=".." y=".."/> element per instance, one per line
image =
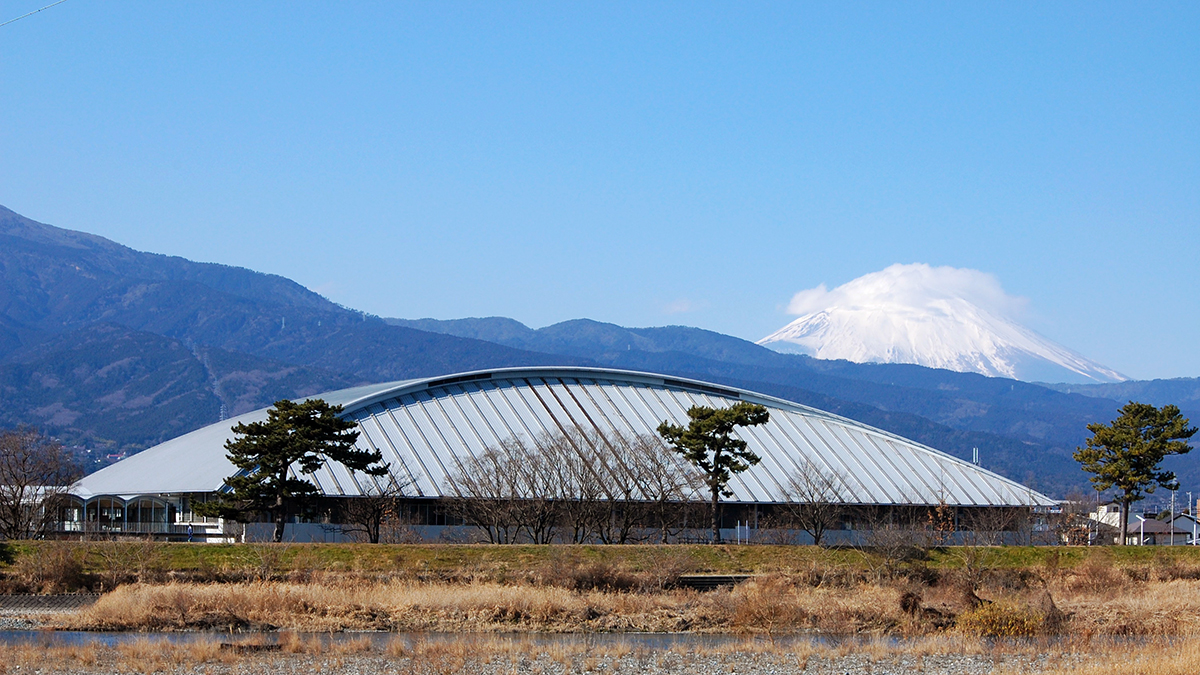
<point x="664" y="568"/>
<point x="767" y="603"/>
<point x="53" y="568"/>
<point x="1169" y="568"/>
<point x="1001" y="619"/>
<point x="126" y="562"/>
<point x="601" y="576"/>
<point x="1097" y="574"/>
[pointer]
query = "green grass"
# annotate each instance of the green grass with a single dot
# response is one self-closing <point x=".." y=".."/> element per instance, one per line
<point x="498" y="560"/>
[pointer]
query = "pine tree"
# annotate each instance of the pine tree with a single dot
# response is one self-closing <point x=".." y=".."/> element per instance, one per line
<point x="708" y="445"/>
<point x="304" y="435"/>
<point x="1127" y="454"/>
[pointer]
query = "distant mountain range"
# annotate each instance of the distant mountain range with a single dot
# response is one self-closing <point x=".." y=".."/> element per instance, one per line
<point x="113" y="350"/>
<point x="929" y="316"/>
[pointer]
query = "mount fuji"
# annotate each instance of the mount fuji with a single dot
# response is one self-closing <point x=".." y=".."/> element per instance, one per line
<point x="940" y="317"/>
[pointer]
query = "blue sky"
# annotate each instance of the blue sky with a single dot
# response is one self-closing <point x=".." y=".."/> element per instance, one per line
<point x="641" y="163"/>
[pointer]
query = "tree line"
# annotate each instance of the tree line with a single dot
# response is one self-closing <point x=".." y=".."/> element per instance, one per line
<point x="576" y="486"/>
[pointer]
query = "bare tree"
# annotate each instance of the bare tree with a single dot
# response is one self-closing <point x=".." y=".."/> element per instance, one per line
<point x="981" y="530"/>
<point x="891" y="536"/>
<point x="538" y="489"/>
<point x="1071" y="523"/>
<point x="990" y="526"/>
<point x="486" y="495"/>
<point x="579" y="480"/>
<point x="36" y="474"/>
<point x="511" y="491"/>
<point x="368" y="515"/>
<point x="590" y="485"/>
<point x="624" y="488"/>
<point x="813" y="497"/>
<point x="668" y="485"/>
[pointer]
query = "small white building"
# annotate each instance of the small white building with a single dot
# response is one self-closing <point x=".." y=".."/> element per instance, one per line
<point x="1145" y="529"/>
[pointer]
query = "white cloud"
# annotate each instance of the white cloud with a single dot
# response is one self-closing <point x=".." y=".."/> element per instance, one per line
<point x="683" y="306"/>
<point x="916" y="286"/>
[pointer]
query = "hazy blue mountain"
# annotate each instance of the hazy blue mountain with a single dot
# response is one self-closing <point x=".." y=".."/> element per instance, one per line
<point x="54" y="280"/>
<point x="1181" y="391"/>
<point x="106" y="386"/>
<point x="106" y="346"/>
<point x="586" y="338"/>
<point x="496" y="329"/>
<point x="104" y="383"/>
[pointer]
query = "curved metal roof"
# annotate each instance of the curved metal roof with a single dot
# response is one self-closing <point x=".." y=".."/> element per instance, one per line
<point x="423" y="427"/>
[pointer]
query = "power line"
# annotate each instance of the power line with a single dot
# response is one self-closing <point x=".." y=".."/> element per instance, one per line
<point x="59" y="2"/>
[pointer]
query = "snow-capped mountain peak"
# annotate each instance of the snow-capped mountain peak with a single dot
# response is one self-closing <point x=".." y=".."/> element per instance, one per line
<point x="941" y="317"/>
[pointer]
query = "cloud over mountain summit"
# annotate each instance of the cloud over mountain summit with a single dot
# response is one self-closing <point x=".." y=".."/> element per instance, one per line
<point x="942" y="317"/>
<point x="914" y="286"/>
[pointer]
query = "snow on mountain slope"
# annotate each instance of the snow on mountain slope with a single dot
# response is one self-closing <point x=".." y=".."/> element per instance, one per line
<point x="941" y="317"/>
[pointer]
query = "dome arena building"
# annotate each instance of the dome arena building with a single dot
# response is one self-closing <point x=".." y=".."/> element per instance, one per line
<point x="437" y="433"/>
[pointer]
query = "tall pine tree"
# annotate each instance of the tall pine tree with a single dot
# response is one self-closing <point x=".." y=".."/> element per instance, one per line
<point x="1126" y="454"/>
<point x="304" y="435"/>
<point x="707" y="443"/>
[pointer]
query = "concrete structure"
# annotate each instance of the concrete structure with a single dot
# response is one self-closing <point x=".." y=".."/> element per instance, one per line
<point x="426" y="428"/>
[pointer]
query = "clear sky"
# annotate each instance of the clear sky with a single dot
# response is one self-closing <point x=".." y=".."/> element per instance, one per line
<point x="642" y="163"/>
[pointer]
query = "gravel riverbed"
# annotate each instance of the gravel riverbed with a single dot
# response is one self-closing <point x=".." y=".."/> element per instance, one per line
<point x="649" y="663"/>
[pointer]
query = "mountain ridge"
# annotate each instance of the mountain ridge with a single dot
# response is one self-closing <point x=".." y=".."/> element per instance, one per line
<point x="884" y="386"/>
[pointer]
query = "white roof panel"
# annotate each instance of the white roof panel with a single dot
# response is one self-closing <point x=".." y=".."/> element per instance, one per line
<point x="423" y="428"/>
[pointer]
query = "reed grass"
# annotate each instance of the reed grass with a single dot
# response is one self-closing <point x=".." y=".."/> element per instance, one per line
<point x="1152" y="658"/>
<point x="769" y="606"/>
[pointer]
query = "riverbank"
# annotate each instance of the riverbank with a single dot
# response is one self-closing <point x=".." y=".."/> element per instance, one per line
<point x="970" y="591"/>
<point x="1095" y="603"/>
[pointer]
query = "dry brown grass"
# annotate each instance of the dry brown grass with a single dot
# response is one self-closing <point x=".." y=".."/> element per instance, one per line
<point x="1097" y="597"/>
<point x="59" y="569"/>
<point x="1153" y="658"/>
<point x="139" y="656"/>
<point x="771" y="605"/>
<point x="1141" y="608"/>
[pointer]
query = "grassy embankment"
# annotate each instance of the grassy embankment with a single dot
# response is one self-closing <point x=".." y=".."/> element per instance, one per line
<point x="963" y="591"/>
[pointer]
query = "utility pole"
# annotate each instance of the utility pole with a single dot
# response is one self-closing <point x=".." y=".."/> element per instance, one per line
<point x="1172" y="521"/>
<point x="1192" y="513"/>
